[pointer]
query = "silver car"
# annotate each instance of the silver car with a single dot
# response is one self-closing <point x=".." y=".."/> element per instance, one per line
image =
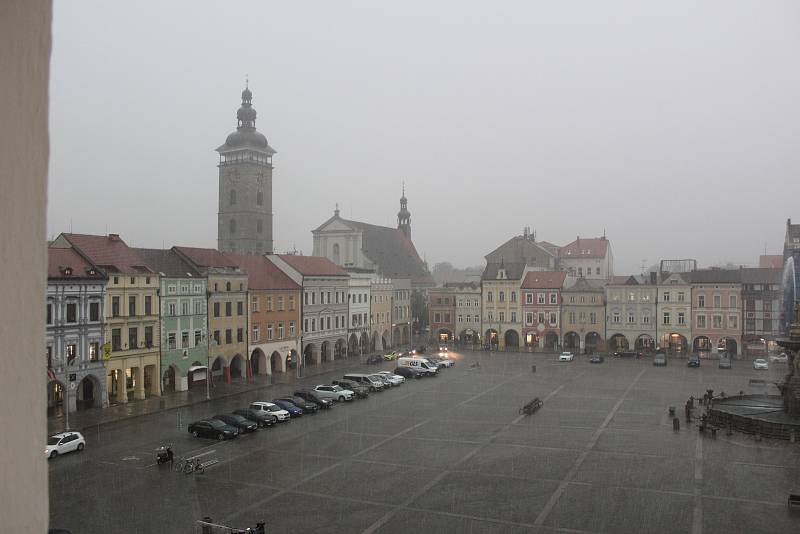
<point x="333" y="392"/>
<point x="396" y="380"/>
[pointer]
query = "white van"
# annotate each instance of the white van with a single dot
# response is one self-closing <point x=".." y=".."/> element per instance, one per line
<point x="420" y="364"/>
<point x="373" y="383"/>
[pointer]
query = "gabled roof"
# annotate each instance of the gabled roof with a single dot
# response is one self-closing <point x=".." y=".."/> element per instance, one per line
<point x="594" y="247"/>
<point x="109" y="252"/>
<point x="261" y="273"/>
<point x="628" y="280"/>
<point x="716" y="276"/>
<point x="166" y="262"/>
<point x="544" y="280"/>
<point x="762" y="276"/>
<point x="394" y="254"/>
<point x="61" y="261"/>
<point x="205" y="257"/>
<point x="312" y="265"/>
<point x="462" y="285"/>
<point x="518" y="249"/>
<point x="582" y="285"/>
<point x="513" y="271"/>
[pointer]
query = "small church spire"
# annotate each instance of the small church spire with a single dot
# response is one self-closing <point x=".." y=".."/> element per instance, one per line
<point x="404" y="216"/>
<point x="336" y="211"/>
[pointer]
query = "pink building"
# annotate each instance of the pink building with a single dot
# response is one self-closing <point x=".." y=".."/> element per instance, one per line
<point x="717" y="311"/>
<point x="541" y="309"/>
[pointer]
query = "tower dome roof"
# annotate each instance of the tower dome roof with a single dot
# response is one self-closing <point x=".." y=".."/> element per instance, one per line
<point x="246" y="135"/>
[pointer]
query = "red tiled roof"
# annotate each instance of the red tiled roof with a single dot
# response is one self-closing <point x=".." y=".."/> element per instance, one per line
<point x="313" y="265"/>
<point x="109" y="252"/>
<point x="59" y="258"/>
<point x="544" y="280"/>
<point x="205" y="257"/>
<point x="593" y="247"/>
<point x="261" y="273"/>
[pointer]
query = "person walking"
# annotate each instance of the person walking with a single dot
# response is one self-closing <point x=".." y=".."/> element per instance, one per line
<point x="170" y="457"/>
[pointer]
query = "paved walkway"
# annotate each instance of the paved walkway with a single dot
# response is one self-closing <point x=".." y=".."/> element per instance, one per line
<point x="92" y="417"/>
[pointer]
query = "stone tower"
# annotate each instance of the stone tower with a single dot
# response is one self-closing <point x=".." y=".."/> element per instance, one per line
<point x="244" y="219"/>
<point x="404" y="216"/>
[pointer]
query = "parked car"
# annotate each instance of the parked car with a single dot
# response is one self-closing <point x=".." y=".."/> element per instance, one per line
<point x="724" y="362"/>
<point x="305" y="405"/>
<point x="396" y="380"/>
<point x="237" y="421"/>
<point x="264" y="419"/>
<point x="422" y="364"/>
<point x="272" y="409"/>
<point x="660" y="359"/>
<point x="693" y="361"/>
<point x="442" y="362"/>
<point x="596" y="358"/>
<point x="365" y="379"/>
<point x="294" y="411"/>
<point x="566" y="357"/>
<point x="779" y="358"/>
<point x="374" y="358"/>
<point x="212" y="428"/>
<point x="63" y="443"/>
<point x="389" y="356"/>
<point x="331" y="391"/>
<point x="361" y="391"/>
<point x="760" y="364"/>
<point x="310" y="396"/>
<point x="408" y="372"/>
<point x="386" y="382"/>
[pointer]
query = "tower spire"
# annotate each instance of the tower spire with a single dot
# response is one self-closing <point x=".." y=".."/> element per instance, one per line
<point x="404" y="216"/>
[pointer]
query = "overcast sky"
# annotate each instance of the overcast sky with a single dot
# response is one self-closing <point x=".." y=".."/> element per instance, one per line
<point x="672" y="126"/>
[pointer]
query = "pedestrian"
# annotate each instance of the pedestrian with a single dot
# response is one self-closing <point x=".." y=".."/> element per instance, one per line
<point x="170" y="457"/>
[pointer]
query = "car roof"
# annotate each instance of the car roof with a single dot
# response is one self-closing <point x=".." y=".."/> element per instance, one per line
<point x="64" y="434"/>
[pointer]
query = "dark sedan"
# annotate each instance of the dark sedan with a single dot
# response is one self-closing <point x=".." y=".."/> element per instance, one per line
<point x="596" y="358"/>
<point x="408" y="372"/>
<point x="310" y="396"/>
<point x="212" y="428"/>
<point x="361" y="391"/>
<point x="306" y="405"/>
<point x="262" y="418"/>
<point x="237" y="421"/>
<point x="694" y="361"/>
<point x="294" y="410"/>
<point x="375" y="358"/>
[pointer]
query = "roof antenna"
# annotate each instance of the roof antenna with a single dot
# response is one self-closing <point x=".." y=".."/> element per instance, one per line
<point x="247" y="81"/>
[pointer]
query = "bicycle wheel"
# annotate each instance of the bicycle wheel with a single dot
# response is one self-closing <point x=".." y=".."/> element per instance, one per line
<point x="180" y="465"/>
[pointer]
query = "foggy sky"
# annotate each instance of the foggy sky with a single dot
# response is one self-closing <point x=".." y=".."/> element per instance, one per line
<point x="673" y="126"/>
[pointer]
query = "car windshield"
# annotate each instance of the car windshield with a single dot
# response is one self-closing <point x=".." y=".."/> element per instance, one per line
<point x="274" y="408"/>
<point x="53" y="440"/>
<point x="336" y="388"/>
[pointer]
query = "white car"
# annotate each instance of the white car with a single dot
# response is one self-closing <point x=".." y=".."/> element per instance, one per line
<point x="779" y="358"/>
<point x="760" y="364"/>
<point x="566" y="357"/>
<point x="270" y="408"/>
<point x="333" y="392"/>
<point x="396" y="380"/>
<point x="63" y="443"/>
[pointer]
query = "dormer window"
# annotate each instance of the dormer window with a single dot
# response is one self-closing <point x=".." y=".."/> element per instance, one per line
<point x="66" y="271"/>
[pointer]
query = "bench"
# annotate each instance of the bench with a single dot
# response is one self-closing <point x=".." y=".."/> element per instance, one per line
<point x="794" y="500"/>
<point x="531" y="407"/>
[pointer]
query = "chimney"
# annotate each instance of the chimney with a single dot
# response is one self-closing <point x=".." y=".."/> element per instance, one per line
<point x="113" y="237"/>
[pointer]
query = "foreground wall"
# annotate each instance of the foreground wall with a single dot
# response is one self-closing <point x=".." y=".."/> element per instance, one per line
<point x="24" y="146"/>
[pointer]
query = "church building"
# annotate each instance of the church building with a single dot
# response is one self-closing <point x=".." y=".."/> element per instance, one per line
<point x="245" y="186"/>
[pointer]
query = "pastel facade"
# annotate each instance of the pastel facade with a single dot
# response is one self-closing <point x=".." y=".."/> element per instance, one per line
<point x="717" y="311"/>
<point x="631" y="313"/>
<point x="358" y="309"/>
<point x="541" y="309"/>
<point x="468" y="311"/>
<point x="380" y="312"/>
<point x="401" y="312"/>
<point x="442" y="314"/>
<point x="583" y="316"/>
<point x="500" y="303"/>
<point x="761" y="309"/>
<point x="674" y="308"/>
<point x="74" y="332"/>
<point x="590" y="258"/>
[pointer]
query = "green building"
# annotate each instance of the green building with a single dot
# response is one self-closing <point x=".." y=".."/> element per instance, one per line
<point x="183" y="320"/>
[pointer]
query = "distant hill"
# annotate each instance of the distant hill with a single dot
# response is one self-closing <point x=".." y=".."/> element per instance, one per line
<point x="444" y="272"/>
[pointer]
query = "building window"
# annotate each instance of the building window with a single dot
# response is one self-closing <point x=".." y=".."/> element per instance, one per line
<point x="594" y="299"/>
<point x="528" y="298"/>
<point x="260" y="198"/>
<point x="329" y="323"/>
<point x="314" y="325"/>
<point x="116" y="280"/>
<point x="733" y="301"/>
<point x="259" y="226"/>
<point x="717" y="321"/>
<point x="148" y="305"/>
<point x="185" y="307"/>
<point x="185" y="340"/>
<point x="513" y="317"/>
<point x="681" y="297"/>
<point x="269" y="304"/>
<point x="116" y="339"/>
<point x="593" y="318"/>
<point x="133" y="338"/>
<point x="615" y="317"/>
<point x="681" y="318"/>
<point x="49" y="313"/>
<point x="240" y="335"/>
<point x="171" y="341"/>
<point x="114" y="306"/>
<point x="198" y="307"/>
<point x="72" y="312"/>
<point x="502" y="296"/>
<point x="291" y="328"/>
<point x="216" y="337"/>
<point x="233" y="197"/>
<point x="232" y="226"/>
<point x="291" y="303"/>
<point x="198" y="338"/>
<point x="171" y="309"/>
<point x="280" y="303"/>
<point x="631" y="318"/>
<point x="489" y="297"/>
<point x="280" y="330"/>
<point x="553" y="298"/>
<point x="132" y="306"/>
<point x="553" y="319"/>
<point x="513" y="296"/>
<point x="666" y="296"/>
<point x="228" y="286"/>
<point x="645" y="319"/>
<point x="228" y="336"/>
<point x="580" y="271"/>
<point x="717" y="301"/>
<point x="666" y="317"/>
<point x="148" y="336"/>
<point x="94" y="311"/>
<point x="254" y="304"/>
<point x="528" y="319"/>
<point x="701" y="301"/>
<point x="701" y="321"/>
<point x="502" y="316"/>
<point x="228" y="309"/>
<point x="255" y="333"/>
<point x="216" y="309"/>
<point x="572" y="317"/>
<point x="94" y="351"/>
<point x="133" y="280"/>
<point x="240" y="307"/>
<point x="597" y="271"/>
<point x="72" y="353"/>
<point x="540" y="298"/>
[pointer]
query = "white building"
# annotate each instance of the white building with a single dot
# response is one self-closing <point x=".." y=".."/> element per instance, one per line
<point x="358" y="317"/>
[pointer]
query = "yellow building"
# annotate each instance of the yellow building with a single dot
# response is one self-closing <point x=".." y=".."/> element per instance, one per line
<point x="583" y="316"/>
<point x="131" y="329"/>
<point x="502" y="314"/>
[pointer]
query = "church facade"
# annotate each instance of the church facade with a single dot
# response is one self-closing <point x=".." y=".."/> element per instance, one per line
<point x="244" y="218"/>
